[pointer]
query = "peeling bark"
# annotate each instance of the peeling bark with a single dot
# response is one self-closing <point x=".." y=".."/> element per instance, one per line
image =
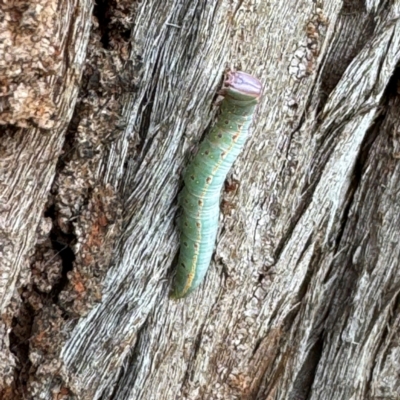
<point x="102" y="107"/>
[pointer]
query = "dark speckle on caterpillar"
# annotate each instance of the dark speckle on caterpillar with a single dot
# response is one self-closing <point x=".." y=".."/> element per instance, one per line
<point x="205" y="176"/>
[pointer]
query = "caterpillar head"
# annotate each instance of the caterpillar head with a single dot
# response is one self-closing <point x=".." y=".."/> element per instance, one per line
<point x="242" y="86"/>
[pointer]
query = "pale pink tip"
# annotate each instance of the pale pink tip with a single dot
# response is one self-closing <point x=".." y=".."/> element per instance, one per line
<point x="244" y="83"/>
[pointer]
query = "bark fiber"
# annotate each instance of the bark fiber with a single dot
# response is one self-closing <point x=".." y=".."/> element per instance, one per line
<point x="102" y="105"/>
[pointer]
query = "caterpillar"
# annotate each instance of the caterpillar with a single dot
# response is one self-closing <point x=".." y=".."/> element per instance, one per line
<point x="205" y="176"/>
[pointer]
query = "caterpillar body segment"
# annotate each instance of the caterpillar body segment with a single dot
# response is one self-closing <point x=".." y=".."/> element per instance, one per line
<point x="204" y="179"/>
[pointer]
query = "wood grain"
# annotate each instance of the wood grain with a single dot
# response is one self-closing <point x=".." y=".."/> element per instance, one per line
<point x="301" y="301"/>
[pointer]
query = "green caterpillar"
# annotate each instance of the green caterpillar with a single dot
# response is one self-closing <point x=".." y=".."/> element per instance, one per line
<point x="205" y="177"/>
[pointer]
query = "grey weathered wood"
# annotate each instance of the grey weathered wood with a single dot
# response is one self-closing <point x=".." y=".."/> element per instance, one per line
<point x="301" y="300"/>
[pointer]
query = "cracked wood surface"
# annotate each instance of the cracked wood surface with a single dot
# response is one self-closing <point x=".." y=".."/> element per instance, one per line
<point x="302" y="298"/>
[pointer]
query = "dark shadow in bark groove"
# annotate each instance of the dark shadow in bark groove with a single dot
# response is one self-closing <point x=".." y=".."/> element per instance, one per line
<point x="299" y="211"/>
<point x="356" y="27"/>
<point x="353" y="6"/>
<point x="101" y="12"/>
<point x="129" y="363"/>
<point x="305" y="377"/>
<point x="22" y="324"/>
<point x="369" y="139"/>
<point x="189" y="372"/>
<point x="355" y="225"/>
<point x="112" y="17"/>
<point x="62" y="245"/>
<point x="19" y="346"/>
<point x="146" y="113"/>
<point x="69" y="142"/>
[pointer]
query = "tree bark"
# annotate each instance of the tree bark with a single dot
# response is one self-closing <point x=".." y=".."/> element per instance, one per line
<point x="102" y="106"/>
